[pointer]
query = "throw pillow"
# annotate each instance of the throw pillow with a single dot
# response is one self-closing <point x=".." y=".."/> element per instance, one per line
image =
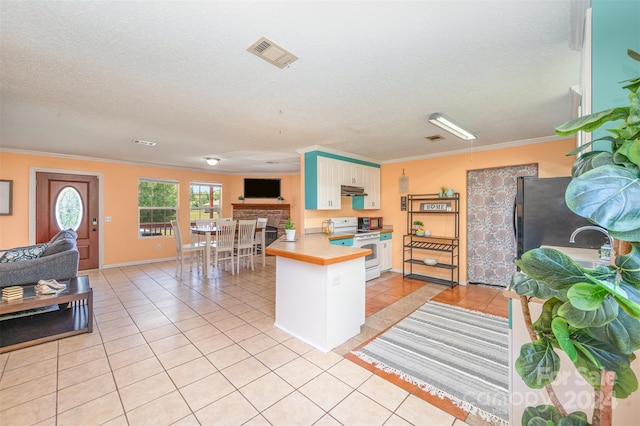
<point x="64" y="234"/>
<point x="59" y="246"/>
<point x="23" y="253"/>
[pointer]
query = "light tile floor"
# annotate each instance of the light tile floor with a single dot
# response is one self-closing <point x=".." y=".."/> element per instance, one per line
<point x="168" y="351"/>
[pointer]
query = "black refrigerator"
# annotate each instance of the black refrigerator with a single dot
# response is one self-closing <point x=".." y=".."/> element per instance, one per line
<point x="541" y="216"/>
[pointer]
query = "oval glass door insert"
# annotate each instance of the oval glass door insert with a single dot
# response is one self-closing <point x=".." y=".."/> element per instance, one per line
<point x="69" y="209"/>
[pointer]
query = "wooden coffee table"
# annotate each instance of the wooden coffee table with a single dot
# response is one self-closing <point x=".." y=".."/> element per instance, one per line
<point x="75" y="315"/>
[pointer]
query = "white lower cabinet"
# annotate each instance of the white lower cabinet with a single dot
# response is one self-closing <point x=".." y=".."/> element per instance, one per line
<point x="386" y="252"/>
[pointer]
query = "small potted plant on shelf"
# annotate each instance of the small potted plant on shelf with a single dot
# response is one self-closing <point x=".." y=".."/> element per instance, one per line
<point x="443" y="191"/>
<point x="417" y="224"/>
<point x="241" y="198"/>
<point x="280" y="199"/>
<point x="290" y="230"/>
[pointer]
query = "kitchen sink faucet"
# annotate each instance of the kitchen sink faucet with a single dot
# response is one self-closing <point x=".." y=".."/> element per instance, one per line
<point x="605" y="252"/>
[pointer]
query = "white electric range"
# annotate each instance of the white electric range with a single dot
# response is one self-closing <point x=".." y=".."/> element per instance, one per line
<point x="361" y="239"/>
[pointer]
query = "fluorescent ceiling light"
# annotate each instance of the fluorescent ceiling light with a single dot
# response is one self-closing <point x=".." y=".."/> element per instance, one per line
<point x="451" y="127"/>
<point x="212" y="161"/>
<point x="144" y="143"/>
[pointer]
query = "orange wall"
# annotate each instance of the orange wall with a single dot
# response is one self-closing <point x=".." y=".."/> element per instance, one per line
<point x="428" y="175"/>
<point x="121" y="242"/>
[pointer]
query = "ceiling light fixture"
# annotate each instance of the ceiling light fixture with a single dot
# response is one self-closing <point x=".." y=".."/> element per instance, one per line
<point x="451" y="127"/>
<point x="212" y="161"/>
<point x="144" y="143"/>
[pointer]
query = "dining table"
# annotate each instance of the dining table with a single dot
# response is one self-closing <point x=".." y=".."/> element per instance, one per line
<point x="209" y="235"/>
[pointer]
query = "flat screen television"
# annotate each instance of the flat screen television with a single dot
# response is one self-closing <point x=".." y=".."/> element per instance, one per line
<point x="261" y="188"/>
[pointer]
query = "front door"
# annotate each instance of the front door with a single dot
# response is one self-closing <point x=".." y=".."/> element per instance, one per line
<point x="69" y="201"/>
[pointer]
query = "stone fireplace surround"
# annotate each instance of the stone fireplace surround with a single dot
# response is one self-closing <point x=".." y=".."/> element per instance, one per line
<point x="276" y="214"/>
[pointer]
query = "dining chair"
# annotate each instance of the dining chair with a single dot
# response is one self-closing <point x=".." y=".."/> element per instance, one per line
<point x="183" y="249"/>
<point x="224" y="243"/>
<point x="244" y="242"/>
<point x="261" y="223"/>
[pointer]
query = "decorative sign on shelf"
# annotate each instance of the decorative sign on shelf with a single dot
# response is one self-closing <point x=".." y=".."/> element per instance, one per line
<point x="435" y="207"/>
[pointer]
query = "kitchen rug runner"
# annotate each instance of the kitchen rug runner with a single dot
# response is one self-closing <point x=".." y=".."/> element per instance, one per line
<point x="450" y="352"/>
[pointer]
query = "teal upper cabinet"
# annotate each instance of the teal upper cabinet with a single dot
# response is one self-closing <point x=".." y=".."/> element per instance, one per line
<point x="324" y="173"/>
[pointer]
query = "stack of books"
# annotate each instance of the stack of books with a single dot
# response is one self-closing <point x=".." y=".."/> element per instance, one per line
<point x="12" y="293"/>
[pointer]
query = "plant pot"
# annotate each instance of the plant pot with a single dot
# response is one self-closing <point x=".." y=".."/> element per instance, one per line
<point x="290" y="234"/>
<point x="450" y="193"/>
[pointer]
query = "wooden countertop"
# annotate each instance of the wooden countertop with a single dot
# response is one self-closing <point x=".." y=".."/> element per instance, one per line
<point x="316" y="249"/>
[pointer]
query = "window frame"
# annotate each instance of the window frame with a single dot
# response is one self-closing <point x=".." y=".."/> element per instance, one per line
<point x="212" y="202"/>
<point x="162" y="229"/>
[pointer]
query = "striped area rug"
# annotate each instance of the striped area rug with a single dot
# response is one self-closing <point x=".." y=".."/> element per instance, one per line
<point x="451" y="352"/>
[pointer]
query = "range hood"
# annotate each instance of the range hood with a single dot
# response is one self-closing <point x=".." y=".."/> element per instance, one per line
<point x="350" y="191"/>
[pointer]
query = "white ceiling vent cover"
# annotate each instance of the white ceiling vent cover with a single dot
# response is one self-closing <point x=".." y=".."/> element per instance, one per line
<point x="272" y="53"/>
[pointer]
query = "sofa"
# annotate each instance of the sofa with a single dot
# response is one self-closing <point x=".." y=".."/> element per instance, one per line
<point x="57" y="259"/>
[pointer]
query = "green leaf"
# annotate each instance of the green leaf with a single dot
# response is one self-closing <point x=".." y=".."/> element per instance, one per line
<point x="579" y="318"/>
<point x="591" y="160"/>
<point x="577" y="418"/>
<point x="586" y="296"/>
<point x="537" y="364"/>
<point x="631" y="308"/>
<point x="524" y="285"/>
<point x="560" y="329"/>
<point x="554" y="268"/>
<point x="544" y="412"/>
<point x="608" y="197"/>
<point x="538" y="421"/>
<point x="589" y="123"/>
<point x="623" y="333"/>
<point x="633" y="54"/>
<point x="624" y="154"/>
<point x="543" y="324"/>
<point x="634" y="153"/>
<point x="629" y="265"/>
<point x="625" y="383"/>
<point x="589" y="372"/>
<point x="622" y="294"/>
<point x="607" y="355"/>
<point x="634" y="104"/>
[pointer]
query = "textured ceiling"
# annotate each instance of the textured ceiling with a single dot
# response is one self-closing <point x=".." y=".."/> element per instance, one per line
<point x="86" y="78"/>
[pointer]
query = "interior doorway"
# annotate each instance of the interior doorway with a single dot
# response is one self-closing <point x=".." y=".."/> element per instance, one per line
<point x="491" y="245"/>
<point x="64" y="200"/>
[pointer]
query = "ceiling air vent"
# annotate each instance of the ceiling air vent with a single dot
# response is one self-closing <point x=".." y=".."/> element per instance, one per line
<point x="434" y="138"/>
<point x="272" y="53"/>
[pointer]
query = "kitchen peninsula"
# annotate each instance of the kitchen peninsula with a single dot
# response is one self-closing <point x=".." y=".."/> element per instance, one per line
<point x="320" y="290"/>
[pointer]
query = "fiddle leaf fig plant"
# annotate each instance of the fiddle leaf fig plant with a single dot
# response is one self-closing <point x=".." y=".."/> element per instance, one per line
<point x="592" y="315"/>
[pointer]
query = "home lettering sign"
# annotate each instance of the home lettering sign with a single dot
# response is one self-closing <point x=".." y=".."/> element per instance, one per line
<point x="435" y="207"/>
